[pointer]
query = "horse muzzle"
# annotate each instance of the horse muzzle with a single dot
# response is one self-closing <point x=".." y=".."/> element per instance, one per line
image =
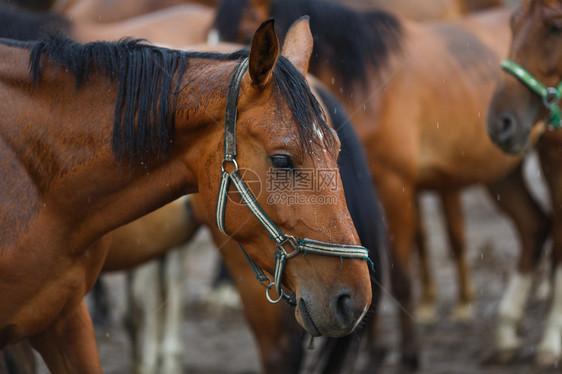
<point x="337" y="317"/>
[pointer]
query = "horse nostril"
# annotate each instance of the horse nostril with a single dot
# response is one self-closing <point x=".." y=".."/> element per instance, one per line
<point x="506" y="126"/>
<point x="345" y="310"/>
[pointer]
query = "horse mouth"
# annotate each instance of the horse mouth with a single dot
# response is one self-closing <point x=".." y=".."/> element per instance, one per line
<point x="305" y="318"/>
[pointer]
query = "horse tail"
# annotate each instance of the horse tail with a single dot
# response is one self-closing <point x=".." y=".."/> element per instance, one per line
<point x="367" y="215"/>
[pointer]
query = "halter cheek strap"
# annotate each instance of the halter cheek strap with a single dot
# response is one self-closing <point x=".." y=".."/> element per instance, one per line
<point x="282" y="241"/>
<point x="550" y="95"/>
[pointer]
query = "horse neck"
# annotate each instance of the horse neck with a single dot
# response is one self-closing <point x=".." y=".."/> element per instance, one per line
<point x="62" y="137"/>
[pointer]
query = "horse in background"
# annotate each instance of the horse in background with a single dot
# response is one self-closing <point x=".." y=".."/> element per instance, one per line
<point x="424" y="10"/>
<point x="18" y="359"/>
<point x="108" y="174"/>
<point x="176" y="26"/>
<point x="524" y="113"/>
<point x="393" y="81"/>
<point x="98" y="11"/>
<point x="154" y="297"/>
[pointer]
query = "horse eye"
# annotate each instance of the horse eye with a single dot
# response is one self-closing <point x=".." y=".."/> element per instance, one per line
<point x="283" y="162"/>
<point x="555" y="28"/>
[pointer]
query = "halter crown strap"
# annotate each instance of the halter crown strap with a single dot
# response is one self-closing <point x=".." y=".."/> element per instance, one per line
<point x="231" y="111"/>
<point x="281" y="240"/>
<point x="550" y="95"/>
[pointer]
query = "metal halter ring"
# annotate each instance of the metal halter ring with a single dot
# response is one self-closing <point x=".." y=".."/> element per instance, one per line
<point x="291" y="240"/>
<point x="552" y="97"/>
<point x="267" y="288"/>
<point x="233" y="161"/>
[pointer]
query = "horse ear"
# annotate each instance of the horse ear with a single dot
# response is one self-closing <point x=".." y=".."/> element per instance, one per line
<point x="298" y="44"/>
<point x="263" y="54"/>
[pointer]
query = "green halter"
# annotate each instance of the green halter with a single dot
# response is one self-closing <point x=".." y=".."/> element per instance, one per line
<point x="550" y="95"/>
<point x="287" y="245"/>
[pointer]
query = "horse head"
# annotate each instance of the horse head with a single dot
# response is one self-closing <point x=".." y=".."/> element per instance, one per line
<point x="274" y="170"/>
<point x="529" y="90"/>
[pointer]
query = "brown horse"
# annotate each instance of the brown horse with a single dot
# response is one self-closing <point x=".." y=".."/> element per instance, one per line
<point x="101" y="11"/>
<point x="150" y="129"/>
<point x="424" y="10"/>
<point x="418" y="95"/>
<point x="516" y="116"/>
<point x="176" y="26"/>
<point x="279" y="338"/>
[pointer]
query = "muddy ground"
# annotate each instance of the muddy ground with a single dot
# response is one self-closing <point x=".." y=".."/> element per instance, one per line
<point x="219" y="342"/>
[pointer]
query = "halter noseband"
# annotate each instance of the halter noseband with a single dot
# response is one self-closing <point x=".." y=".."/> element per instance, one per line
<point x="281" y="240"/>
<point x="550" y="95"/>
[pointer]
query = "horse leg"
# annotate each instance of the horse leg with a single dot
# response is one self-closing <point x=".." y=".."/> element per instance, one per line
<point x="512" y="197"/>
<point x="17" y="359"/>
<point x="69" y="344"/>
<point x="550" y="348"/>
<point x="146" y="310"/>
<point x="426" y="312"/>
<point x="398" y="198"/>
<point x="131" y="318"/>
<point x="100" y="313"/>
<point x="175" y="298"/>
<point x="452" y="208"/>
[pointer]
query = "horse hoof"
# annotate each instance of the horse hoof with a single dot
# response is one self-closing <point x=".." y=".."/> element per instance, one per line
<point x="426" y="314"/>
<point x="547" y="359"/>
<point x="462" y="314"/>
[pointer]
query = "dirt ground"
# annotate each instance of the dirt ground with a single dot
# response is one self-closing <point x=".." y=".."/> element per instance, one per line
<point x="220" y="342"/>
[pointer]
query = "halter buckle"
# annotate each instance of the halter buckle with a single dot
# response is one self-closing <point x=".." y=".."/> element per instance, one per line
<point x="552" y="97"/>
<point x="290" y="239"/>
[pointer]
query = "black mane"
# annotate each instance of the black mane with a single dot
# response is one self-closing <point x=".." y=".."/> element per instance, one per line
<point x="148" y="76"/>
<point x="21" y="24"/>
<point x="345" y="39"/>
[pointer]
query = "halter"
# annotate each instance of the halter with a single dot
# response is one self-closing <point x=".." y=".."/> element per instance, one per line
<point x="550" y="95"/>
<point x="282" y="241"/>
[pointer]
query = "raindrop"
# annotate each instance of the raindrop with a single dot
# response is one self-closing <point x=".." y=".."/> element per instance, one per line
<point x="498" y="197"/>
<point x="481" y="255"/>
<point x="478" y="114"/>
<point x="333" y="81"/>
<point x="437" y="124"/>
